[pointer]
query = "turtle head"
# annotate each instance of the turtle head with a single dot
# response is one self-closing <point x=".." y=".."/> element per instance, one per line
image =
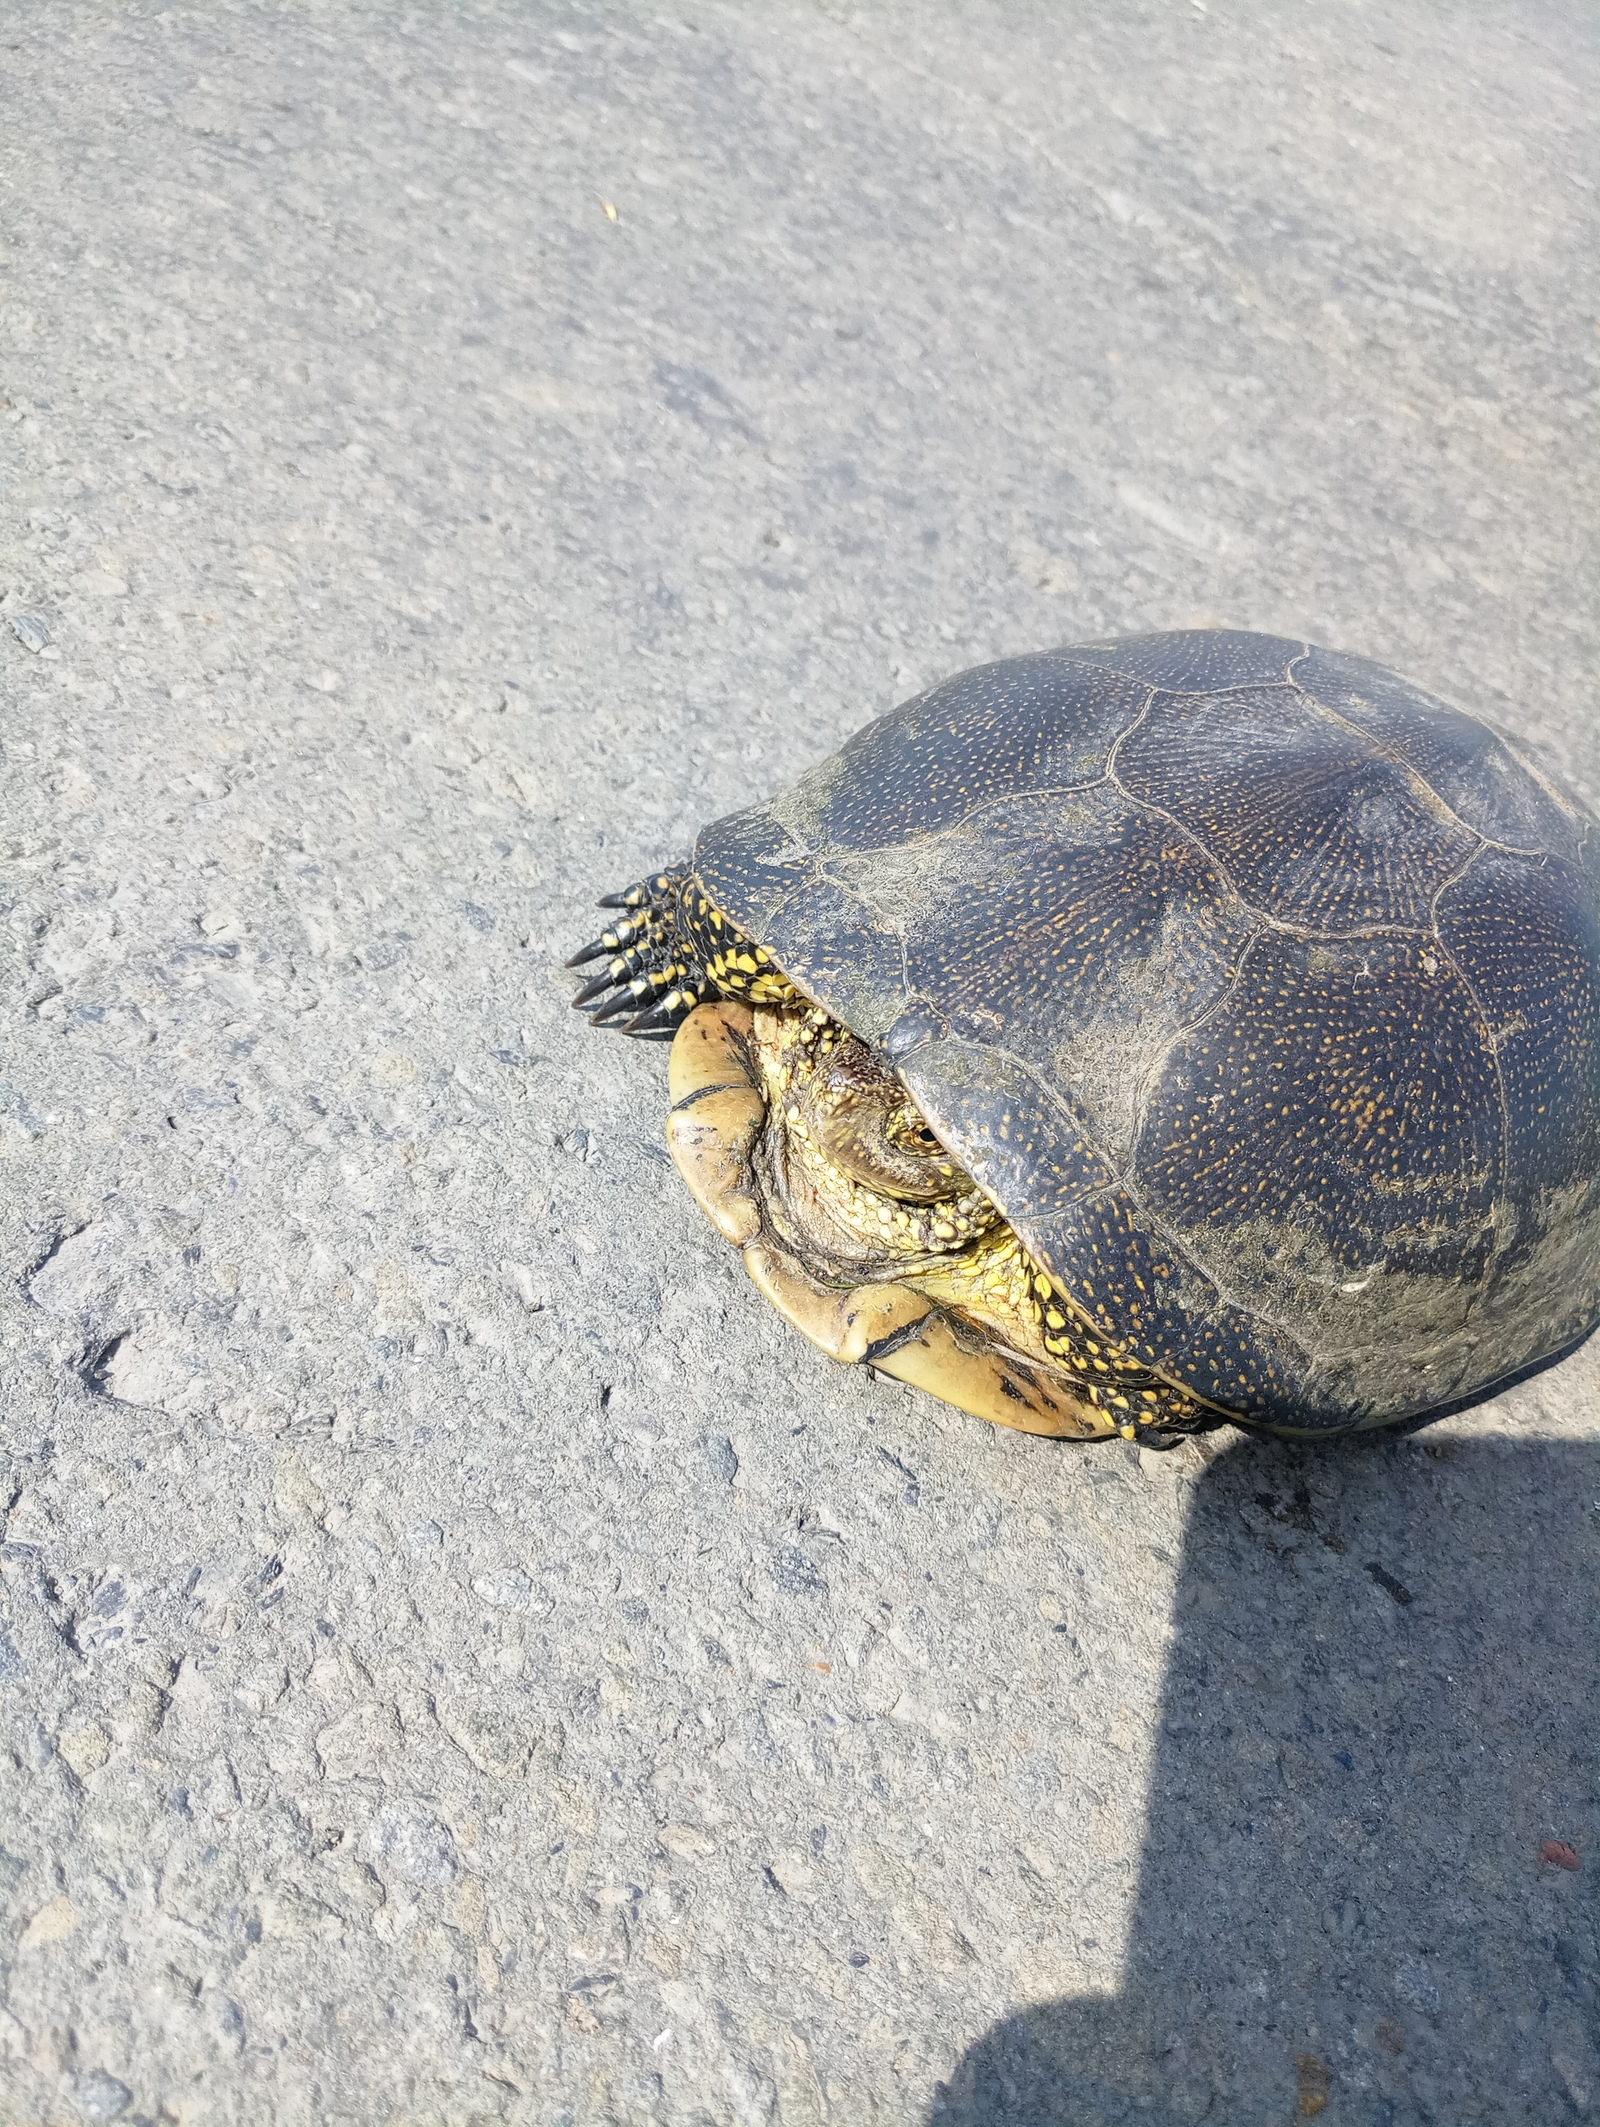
<point x="847" y="1140"/>
<point x="842" y="1098"/>
<point x="851" y="1177"/>
<point x="803" y="1147"/>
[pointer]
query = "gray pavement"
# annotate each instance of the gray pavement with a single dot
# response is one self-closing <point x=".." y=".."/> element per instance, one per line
<point x="464" y="1659"/>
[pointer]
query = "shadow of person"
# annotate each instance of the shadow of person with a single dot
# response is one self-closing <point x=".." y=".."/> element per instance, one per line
<point x="1367" y="1883"/>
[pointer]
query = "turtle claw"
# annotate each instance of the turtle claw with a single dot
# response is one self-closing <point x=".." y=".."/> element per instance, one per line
<point x="615" y="941"/>
<point x="625" y="1000"/>
<point x="605" y="944"/>
<point x="661" y="1020"/>
<point x="591" y="990"/>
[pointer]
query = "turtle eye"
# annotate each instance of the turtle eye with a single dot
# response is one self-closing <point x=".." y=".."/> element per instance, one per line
<point x="915" y="1135"/>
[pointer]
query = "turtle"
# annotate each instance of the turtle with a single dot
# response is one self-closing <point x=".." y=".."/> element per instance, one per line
<point x="1147" y="1035"/>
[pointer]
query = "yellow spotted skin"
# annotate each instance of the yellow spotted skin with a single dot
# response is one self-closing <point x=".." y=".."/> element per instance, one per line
<point x="1256" y="991"/>
<point x="821" y="1084"/>
<point x="734" y="965"/>
<point x="999" y="1283"/>
<point x="672" y="949"/>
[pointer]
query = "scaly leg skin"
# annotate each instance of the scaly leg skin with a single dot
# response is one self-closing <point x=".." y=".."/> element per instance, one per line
<point x="669" y="949"/>
<point x="957" y="1306"/>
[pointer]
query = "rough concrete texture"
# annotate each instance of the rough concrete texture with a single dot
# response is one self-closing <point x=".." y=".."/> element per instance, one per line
<point x="465" y="1659"/>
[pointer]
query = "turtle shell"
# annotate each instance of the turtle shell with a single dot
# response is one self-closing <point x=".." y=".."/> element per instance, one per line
<point x="1260" y="990"/>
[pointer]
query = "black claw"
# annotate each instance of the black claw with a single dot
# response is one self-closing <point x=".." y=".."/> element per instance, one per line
<point x="645" y="987"/>
<point x="626" y="1000"/>
<point x="613" y="941"/>
<point x="592" y="952"/>
<point x="643" y="964"/>
<point x="661" y="1018"/>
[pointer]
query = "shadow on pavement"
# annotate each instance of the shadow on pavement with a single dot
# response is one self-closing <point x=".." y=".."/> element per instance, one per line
<point x="1380" y="1708"/>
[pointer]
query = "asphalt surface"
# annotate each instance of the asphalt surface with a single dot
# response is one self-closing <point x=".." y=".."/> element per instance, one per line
<point x="464" y="1659"/>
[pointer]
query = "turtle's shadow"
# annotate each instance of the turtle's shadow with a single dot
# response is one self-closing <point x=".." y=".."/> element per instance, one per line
<point x="1379" y="1707"/>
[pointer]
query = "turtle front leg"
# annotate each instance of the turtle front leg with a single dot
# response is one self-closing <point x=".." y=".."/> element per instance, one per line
<point x="671" y="949"/>
<point x="648" y="973"/>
